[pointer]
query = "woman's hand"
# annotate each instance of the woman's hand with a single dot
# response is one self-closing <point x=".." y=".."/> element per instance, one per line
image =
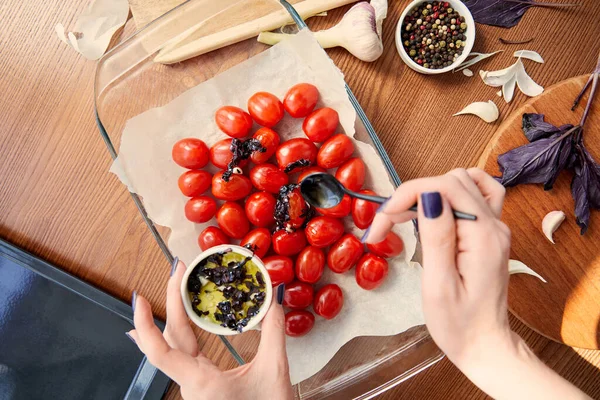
<point x="176" y="353"/>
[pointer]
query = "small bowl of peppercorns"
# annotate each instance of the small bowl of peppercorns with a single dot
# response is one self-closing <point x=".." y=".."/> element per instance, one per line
<point x="434" y="37"/>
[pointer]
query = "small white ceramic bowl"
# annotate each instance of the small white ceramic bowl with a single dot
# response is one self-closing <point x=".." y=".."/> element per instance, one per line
<point x="462" y="10"/>
<point x="208" y="325"/>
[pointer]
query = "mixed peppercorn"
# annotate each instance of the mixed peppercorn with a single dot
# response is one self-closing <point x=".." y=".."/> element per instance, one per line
<point x="433" y="34"/>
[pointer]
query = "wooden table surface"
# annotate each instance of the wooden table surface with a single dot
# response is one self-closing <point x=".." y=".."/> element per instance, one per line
<point x="58" y="200"/>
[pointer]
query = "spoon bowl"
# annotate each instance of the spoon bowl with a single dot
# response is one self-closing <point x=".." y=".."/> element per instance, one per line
<point x="322" y="190"/>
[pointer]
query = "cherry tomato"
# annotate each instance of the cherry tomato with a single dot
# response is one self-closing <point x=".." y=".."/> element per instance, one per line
<point x="298" y="295"/>
<point x="298" y="209"/>
<point x="329" y="301"/>
<point x="321" y="124"/>
<point x="340" y="211"/>
<point x="260" y="208"/>
<point x="265" y="108"/>
<point x="288" y="244"/>
<point x="335" y="151"/>
<point x="371" y="271"/>
<point x="299" y="323"/>
<point x="295" y="150"/>
<point x="268" y="177"/>
<point x="344" y="253"/>
<point x="200" y="209"/>
<point x="323" y="231"/>
<point x="269" y="139"/>
<point x="211" y="237"/>
<point x="281" y="269"/>
<point x="190" y="153"/>
<point x="351" y="174"/>
<point x="232" y="220"/>
<point x="389" y="247"/>
<point x="260" y="239"/>
<point x="310" y="265"/>
<point x="194" y="183"/>
<point x="220" y="153"/>
<point x="301" y="99"/>
<point x="234" y="121"/>
<point x="236" y="188"/>
<point x="363" y="212"/>
<point x="310" y="170"/>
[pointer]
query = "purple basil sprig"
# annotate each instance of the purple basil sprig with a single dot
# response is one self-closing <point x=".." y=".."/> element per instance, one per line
<point x="505" y="13"/>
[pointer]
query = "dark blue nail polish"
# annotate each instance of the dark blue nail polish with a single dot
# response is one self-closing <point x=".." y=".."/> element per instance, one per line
<point x="382" y="206"/>
<point x="130" y="337"/>
<point x="174" y="265"/>
<point x="280" y="293"/>
<point x="133" y="300"/>
<point x="432" y="204"/>
<point x="363" y="239"/>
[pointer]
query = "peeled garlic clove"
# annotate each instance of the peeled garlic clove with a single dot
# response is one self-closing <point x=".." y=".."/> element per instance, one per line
<point x="525" y="83"/>
<point x="551" y="222"/>
<point x="517" y="267"/>
<point x="486" y="111"/>
<point x="467" y="72"/>
<point x="530" y="55"/>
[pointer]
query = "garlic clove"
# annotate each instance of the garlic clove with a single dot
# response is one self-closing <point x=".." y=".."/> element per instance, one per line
<point x="508" y="89"/>
<point x="517" y="267"/>
<point x="467" y="72"/>
<point x="486" y="111"/>
<point x="530" y="55"/>
<point x="551" y="222"/>
<point x="498" y="78"/>
<point x="525" y="83"/>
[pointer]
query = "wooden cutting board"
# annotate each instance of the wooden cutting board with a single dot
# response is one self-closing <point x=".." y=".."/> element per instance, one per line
<point x="567" y="308"/>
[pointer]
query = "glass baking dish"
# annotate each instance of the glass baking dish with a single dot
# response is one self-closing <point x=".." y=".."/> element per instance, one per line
<point x="128" y="82"/>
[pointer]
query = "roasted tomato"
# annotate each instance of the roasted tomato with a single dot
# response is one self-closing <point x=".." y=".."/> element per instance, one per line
<point x="341" y="210"/>
<point x="269" y="139"/>
<point x="200" y="209"/>
<point x="344" y="253"/>
<point x="268" y="177"/>
<point x="323" y="231"/>
<point x="211" y="237"/>
<point x="371" y="271"/>
<point x="298" y="323"/>
<point x="351" y="174"/>
<point x="265" y="108"/>
<point x="335" y="151"/>
<point x="301" y="99"/>
<point x="194" y="183"/>
<point x="363" y="212"/>
<point x="298" y="295"/>
<point x="310" y="264"/>
<point x="232" y="220"/>
<point x="234" y="121"/>
<point x="236" y="188"/>
<point x="321" y="124"/>
<point x="258" y="240"/>
<point x="260" y="209"/>
<point x="296" y="154"/>
<point x="329" y="301"/>
<point x="281" y="269"/>
<point x="288" y="244"/>
<point x="308" y="171"/>
<point x="190" y="153"/>
<point x="389" y="247"/>
<point x="291" y="211"/>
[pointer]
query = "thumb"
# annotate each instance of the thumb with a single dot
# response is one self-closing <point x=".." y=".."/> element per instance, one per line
<point x="272" y="340"/>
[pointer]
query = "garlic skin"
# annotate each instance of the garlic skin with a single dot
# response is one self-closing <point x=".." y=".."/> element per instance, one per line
<point x="530" y="55"/>
<point x="515" y="75"/>
<point x="486" y="111"/>
<point x="517" y="267"/>
<point x="551" y="222"/>
<point x="476" y="58"/>
<point x="467" y="72"/>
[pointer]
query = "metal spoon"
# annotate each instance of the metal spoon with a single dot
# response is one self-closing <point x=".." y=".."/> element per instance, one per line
<point x="323" y="190"/>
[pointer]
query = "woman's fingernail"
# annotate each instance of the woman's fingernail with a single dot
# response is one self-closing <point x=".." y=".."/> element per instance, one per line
<point x="130" y="337"/>
<point x="280" y="293"/>
<point x="133" y="300"/>
<point x="432" y="204"/>
<point x="174" y="265"/>
<point x="382" y="206"/>
<point x="364" y="237"/>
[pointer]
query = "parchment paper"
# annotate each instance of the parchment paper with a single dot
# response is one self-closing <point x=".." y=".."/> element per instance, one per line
<point x="145" y="165"/>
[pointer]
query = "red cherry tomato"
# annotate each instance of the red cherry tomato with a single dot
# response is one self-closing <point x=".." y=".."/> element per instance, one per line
<point x="233" y="121"/>
<point x="299" y="323"/>
<point x="310" y="265"/>
<point x="308" y="171"/>
<point x="323" y="231"/>
<point x="260" y="239"/>
<point x="194" y="183"/>
<point x="200" y="209"/>
<point x="363" y="212"/>
<point x="371" y="271"/>
<point x="321" y="124"/>
<point x="281" y="269"/>
<point x="389" y="247"/>
<point x="298" y="209"/>
<point x="190" y="153"/>
<point x="340" y="211"/>
<point x="288" y="244"/>
<point x="295" y="150"/>
<point x="232" y="220"/>
<point x="351" y="174"/>
<point x="268" y="177"/>
<point x="301" y="99"/>
<point x="221" y="155"/>
<point x="344" y="253"/>
<point x="236" y="188"/>
<point x="335" y="151"/>
<point x="265" y="108"/>
<point x="260" y="208"/>
<point x="298" y="295"/>
<point x="329" y="301"/>
<point x="211" y="237"/>
<point x="269" y="139"/>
